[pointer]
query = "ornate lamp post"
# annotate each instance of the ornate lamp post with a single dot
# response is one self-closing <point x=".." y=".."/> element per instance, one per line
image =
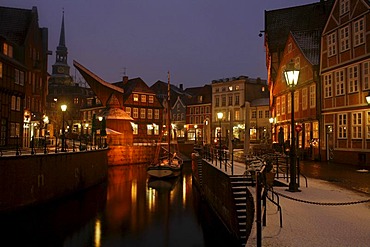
<point x="195" y="139"/>
<point x="368" y="99"/>
<point x="291" y="78"/>
<point x="64" y="108"/>
<point x="220" y="115"/>
<point x="271" y="120"/>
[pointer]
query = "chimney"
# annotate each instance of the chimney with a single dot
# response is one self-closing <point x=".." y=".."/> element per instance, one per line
<point x="181" y="86"/>
<point x="125" y="79"/>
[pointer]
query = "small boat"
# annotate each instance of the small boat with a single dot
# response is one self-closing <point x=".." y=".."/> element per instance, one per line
<point x="163" y="184"/>
<point x="169" y="164"/>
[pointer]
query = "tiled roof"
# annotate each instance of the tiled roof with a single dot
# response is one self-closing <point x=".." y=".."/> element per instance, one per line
<point x="309" y="43"/>
<point x="14" y="23"/>
<point x="278" y="23"/>
<point x="205" y="92"/>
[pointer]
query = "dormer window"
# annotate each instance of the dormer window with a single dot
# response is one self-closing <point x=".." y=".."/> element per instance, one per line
<point x="230" y="88"/>
<point x="7" y="50"/>
<point x="343" y="7"/>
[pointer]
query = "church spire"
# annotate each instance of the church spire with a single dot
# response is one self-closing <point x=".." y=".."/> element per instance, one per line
<point x="62" y="38"/>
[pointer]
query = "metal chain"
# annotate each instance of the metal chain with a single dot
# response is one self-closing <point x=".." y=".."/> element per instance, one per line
<point x="320" y="203"/>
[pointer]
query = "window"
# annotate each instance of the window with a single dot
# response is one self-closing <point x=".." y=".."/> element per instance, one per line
<point x="344" y="38"/>
<point x="13" y="103"/>
<point x="223" y="100"/>
<point x="230" y="88"/>
<point x="150" y="113"/>
<point x="12" y="130"/>
<point x="332" y="49"/>
<point x="289" y="111"/>
<point x="313" y="96"/>
<point x="237" y="87"/>
<point x="237" y="99"/>
<point x="315" y="129"/>
<point x="136" y="113"/>
<point x="368" y="125"/>
<point x="142" y="113"/>
<point x="135" y="128"/>
<point x="327" y="86"/>
<point x="260" y="114"/>
<point x="343" y="7"/>
<point x="156" y="114"/>
<point x="230" y="100"/>
<point x="156" y="129"/>
<point x="17" y="129"/>
<point x="267" y="114"/>
<point x="342" y="126"/>
<point x="217" y="102"/>
<point x="359" y="32"/>
<point x="16" y="76"/>
<point x="136" y="97"/>
<point x="339" y="82"/>
<point x="356" y="125"/>
<point x="8" y="50"/>
<point x="353" y="79"/>
<point x="366" y="75"/>
<point x="236" y="115"/>
<point x="21" y="78"/>
<point x="128" y="111"/>
<point x="18" y="104"/>
<point x="304" y="99"/>
<point x="149" y="129"/>
<point x="75" y="100"/>
<point x="296" y="101"/>
<point x="307" y="134"/>
<point x="151" y="99"/>
<point x="283" y="105"/>
<point x="278" y="106"/>
<point x="143" y="98"/>
<point x="254" y="114"/>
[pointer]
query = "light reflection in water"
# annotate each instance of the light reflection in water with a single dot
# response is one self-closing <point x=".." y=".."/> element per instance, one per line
<point x="184" y="191"/>
<point x="97" y="236"/>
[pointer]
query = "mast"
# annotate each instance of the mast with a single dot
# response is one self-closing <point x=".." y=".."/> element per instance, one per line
<point x="169" y="115"/>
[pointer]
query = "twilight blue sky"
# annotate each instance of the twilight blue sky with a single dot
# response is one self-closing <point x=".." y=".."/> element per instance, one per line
<point x="196" y="40"/>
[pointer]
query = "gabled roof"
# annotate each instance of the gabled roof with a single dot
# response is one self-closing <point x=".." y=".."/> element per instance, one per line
<point x="278" y="23"/>
<point x="309" y="43"/>
<point x="14" y="23"/>
<point x="160" y="88"/>
<point x="134" y="85"/>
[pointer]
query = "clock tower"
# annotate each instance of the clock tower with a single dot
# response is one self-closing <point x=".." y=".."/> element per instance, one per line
<point x="60" y="71"/>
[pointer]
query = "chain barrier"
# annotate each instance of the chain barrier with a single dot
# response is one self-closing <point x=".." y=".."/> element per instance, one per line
<point x="320" y="203"/>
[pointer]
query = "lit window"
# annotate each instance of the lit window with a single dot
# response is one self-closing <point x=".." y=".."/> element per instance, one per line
<point x="278" y="106"/>
<point x="356" y="125"/>
<point x="332" y="48"/>
<point x="359" y="32"/>
<point x="313" y="96"/>
<point x="342" y="126"/>
<point x="353" y="79"/>
<point x="283" y="105"/>
<point x="136" y="97"/>
<point x="327" y="86"/>
<point x="304" y="98"/>
<point x="339" y="82"/>
<point x="135" y="128"/>
<point x="128" y="111"/>
<point x="150" y="113"/>
<point x="151" y="99"/>
<point x="149" y="129"/>
<point x="136" y="113"/>
<point x="156" y="114"/>
<point x="13" y="103"/>
<point x="143" y="98"/>
<point x="142" y="113"/>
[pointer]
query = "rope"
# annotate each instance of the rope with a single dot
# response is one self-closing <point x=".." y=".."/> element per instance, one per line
<point x="321" y="203"/>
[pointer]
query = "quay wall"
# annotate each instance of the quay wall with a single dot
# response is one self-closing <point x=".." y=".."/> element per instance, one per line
<point x="32" y="179"/>
<point x="215" y="186"/>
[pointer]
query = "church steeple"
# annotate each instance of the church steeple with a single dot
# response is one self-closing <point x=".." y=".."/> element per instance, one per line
<point x="61" y="67"/>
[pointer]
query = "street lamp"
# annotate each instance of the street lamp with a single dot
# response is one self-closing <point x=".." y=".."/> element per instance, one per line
<point x="291" y="77"/>
<point x="64" y="108"/>
<point x="220" y="115"/>
<point x="271" y="120"/>
<point x="368" y="99"/>
<point x="195" y="139"/>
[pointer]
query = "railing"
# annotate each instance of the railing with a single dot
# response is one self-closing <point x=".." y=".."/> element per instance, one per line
<point x="222" y="157"/>
<point x="53" y="145"/>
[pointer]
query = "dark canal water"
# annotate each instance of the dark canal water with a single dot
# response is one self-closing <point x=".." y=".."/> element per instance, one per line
<point x="125" y="211"/>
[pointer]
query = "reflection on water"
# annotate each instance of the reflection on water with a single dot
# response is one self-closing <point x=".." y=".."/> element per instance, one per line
<point x="129" y="210"/>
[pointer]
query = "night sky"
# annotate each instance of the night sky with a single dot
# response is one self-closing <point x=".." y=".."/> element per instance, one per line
<point x="196" y="40"/>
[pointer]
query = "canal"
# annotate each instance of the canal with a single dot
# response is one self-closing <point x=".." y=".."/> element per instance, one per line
<point x="127" y="210"/>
